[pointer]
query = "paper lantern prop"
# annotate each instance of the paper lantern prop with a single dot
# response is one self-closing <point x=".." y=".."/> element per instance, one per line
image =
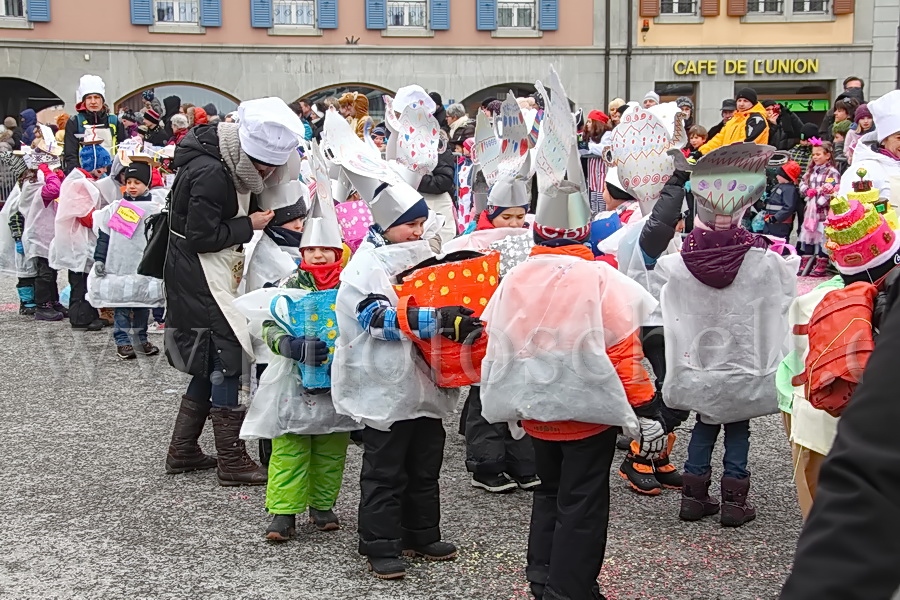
<point x="312" y="316"/>
<point x="355" y="220"/>
<point x="464" y="278"/>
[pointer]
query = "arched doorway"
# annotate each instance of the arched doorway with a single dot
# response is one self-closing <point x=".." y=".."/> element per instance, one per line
<point x="196" y="94"/>
<point x="18" y="94"/>
<point x="374" y="93"/>
<point x="519" y="90"/>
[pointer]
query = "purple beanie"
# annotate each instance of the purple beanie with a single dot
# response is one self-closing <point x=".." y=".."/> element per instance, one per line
<point x="862" y="111"/>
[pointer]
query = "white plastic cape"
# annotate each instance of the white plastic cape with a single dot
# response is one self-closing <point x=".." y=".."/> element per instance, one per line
<point x="280" y="404"/>
<point x="267" y="262"/>
<point x="723" y="346"/>
<point x="72" y="248"/>
<point x="379" y="382"/>
<point x="879" y="170"/>
<point x="810" y="427"/>
<point x="39" y="219"/>
<point x="549" y="326"/>
<point x="514" y="244"/>
<point x="11" y="262"/>
<point x="122" y="287"/>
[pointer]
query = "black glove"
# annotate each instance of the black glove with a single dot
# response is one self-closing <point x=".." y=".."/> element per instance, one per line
<point x="457" y="324"/>
<point x="679" y="178"/>
<point x="307" y="350"/>
<point x="696" y="155"/>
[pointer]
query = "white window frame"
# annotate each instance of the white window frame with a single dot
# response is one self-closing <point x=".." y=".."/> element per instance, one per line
<point x="515" y="13"/>
<point x="295" y="29"/>
<point x="407" y="4"/>
<point x="787" y="13"/>
<point x="177" y="26"/>
<point x="13" y="21"/>
<point x="516" y="31"/>
<point x="692" y="16"/>
<point x="407" y="30"/>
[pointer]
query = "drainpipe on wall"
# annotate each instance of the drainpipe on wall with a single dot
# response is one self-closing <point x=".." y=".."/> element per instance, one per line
<point x="606" y="57"/>
<point x="897" y="83"/>
<point x="628" y="48"/>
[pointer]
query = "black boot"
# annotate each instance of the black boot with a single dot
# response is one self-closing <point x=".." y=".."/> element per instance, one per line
<point x="235" y="467"/>
<point x="735" y="509"/>
<point x="265" y="451"/>
<point x="46" y="312"/>
<point x="638" y="472"/>
<point x="696" y="502"/>
<point x="282" y="528"/>
<point x="387" y="567"/>
<point x="434" y="551"/>
<point x="663" y="469"/>
<point x="184" y="451"/>
<point x="324" y="520"/>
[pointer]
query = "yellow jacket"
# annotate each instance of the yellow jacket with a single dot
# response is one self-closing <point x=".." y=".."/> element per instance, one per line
<point x="737" y="129"/>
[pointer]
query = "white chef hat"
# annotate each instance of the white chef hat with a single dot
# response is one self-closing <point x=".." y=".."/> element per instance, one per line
<point x="90" y="84"/>
<point x="886" y="114"/>
<point x="269" y="130"/>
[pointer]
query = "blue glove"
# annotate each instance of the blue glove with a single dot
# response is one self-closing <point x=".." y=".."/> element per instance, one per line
<point x="307" y="350"/>
<point x="20" y="249"/>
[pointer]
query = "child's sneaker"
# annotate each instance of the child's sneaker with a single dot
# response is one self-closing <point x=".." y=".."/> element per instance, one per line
<point x="436" y="551"/>
<point x="387" y="567"/>
<point x="282" y="528"/>
<point x="498" y="483"/>
<point x="526" y="482"/>
<point x="147" y="349"/>
<point x="155" y="327"/>
<point x="638" y="472"/>
<point x="125" y="352"/>
<point x="324" y="520"/>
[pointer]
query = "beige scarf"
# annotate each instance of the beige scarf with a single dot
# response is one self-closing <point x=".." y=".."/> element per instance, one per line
<point x="245" y="176"/>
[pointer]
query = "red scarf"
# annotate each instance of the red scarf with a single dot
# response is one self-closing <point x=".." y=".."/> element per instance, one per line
<point x="578" y="250"/>
<point x="326" y="276"/>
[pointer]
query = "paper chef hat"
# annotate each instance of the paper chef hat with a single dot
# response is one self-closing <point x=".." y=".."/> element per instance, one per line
<point x="886" y="113"/>
<point x="726" y="181"/>
<point x="269" y="130"/>
<point x="90" y="84"/>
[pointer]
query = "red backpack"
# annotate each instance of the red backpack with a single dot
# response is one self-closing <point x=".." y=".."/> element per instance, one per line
<point x="840" y="343"/>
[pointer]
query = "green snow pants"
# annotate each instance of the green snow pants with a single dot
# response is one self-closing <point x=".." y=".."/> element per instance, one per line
<point x="305" y="471"/>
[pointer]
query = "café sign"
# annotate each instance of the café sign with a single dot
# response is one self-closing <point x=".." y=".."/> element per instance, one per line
<point x="777" y="66"/>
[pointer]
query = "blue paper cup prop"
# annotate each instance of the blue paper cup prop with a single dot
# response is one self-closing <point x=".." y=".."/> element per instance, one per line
<point x="314" y="315"/>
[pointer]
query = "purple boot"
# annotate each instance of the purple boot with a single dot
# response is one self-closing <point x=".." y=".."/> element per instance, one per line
<point x="696" y="502"/>
<point x="735" y="509"/>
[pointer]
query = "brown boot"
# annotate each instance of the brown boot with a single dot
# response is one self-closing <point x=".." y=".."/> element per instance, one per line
<point x="735" y="509"/>
<point x="235" y="465"/>
<point x="184" y="451"/>
<point x="696" y="502"/>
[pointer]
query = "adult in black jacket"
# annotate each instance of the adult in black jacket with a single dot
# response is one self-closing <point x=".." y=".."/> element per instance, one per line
<point x="729" y="106"/>
<point x="784" y="125"/>
<point x="439" y="190"/>
<point x="172" y="104"/>
<point x="216" y="175"/>
<point x="849" y="546"/>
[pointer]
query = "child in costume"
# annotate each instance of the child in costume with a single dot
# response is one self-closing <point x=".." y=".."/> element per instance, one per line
<point x="378" y="378"/>
<point x="781" y="204"/>
<point x="724" y="300"/>
<point x="819" y="184"/>
<point x="114" y="280"/>
<point x="621" y="208"/>
<point x="865" y="250"/>
<point x="802" y="152"/>
<point x="12" y="221"/>
<point x="307" y="462"/>
<point x="576" y="380"/>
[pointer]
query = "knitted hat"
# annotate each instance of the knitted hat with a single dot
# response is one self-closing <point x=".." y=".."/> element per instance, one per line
<point x="495" y="211"/>
<point x="747" y="94"/>
<point x="859" y="238"/>
<point x="598" y="115"/>
<point x="286" y="214"/>
<point x="140" y="171"/>
<point x="841" y="127"/>
<point x="152" y="116"/>
<point x="790" y="170"/>
<point x="148" y="95"/>
<point x="94" y="157"/>
<point x="862" y="112"/>
<point x="683" y="101"/>
<point x="14" y="163"/>
<point x="651" y="95"/>
<point x="416" y="211"/>
<point x="809" y="130"/>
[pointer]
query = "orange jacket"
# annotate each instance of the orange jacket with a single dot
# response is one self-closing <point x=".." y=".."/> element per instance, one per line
<point x="626" y="357"/>
<point x="735" y="130"/>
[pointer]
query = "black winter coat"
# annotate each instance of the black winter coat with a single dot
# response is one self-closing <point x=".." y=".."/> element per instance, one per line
<point x="659" y="229"/>
<point x="203" y="208"/>
<point x="849" y="546"/>
<point x="785" y="133"/>
<point x="157" y="136"/>
<point x="441" y="179"/>
<point x="72" y="143"/>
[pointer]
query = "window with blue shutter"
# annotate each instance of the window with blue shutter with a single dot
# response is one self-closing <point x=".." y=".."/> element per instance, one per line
<point x="440" y="15"/>
<point x="327" y="14"/>
<point x="261" y="13"/>
<point x="142" y="12"/>
<point x="376" y="14"/>
<point x="548" y="15"/>
<point x="486" y="15"/>
<point x="211" y="13"/>
<point x="39" y="11"/>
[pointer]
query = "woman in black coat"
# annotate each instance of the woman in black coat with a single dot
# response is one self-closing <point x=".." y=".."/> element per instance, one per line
<point x="208" y="227"/>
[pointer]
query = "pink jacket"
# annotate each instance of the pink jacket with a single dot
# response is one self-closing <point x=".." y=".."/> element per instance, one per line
<point x="50" y="191"/>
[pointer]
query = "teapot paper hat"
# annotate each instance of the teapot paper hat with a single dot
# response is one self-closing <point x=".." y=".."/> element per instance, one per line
<point x="509" y="171"/>
<point x="414" y="143"/>
<point x="639" y="148"/>
<point x="563" y="209"/>
<point x="389" y="197"/>
<point x="321" y="227"/>
<point x="726" y="181"/>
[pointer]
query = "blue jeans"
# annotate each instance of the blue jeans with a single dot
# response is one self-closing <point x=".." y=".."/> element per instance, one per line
<point x="737" y="447"/>
<point x="126" y="320"/>
<point x="159" y="315"/>
<point x="220" y="390"/>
